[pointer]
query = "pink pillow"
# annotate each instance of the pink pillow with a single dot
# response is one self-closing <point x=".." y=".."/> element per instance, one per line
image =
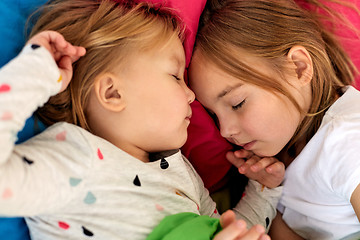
<point x="349" y="39"/>
<point x="189" y="12"/>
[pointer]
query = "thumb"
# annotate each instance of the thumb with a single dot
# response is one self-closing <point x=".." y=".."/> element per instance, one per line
<point x="227" y="218"/>
<point x="66" y="71"/>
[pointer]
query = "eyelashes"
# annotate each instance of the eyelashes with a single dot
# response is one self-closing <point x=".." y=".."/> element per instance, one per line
<point x="238" y="105"/>
<point x="176" y="77"/>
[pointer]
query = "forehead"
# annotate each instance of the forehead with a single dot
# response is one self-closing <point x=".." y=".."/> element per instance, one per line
<point x="234" y="65"/>
<point x="208" y="81"/>
<point x="176" y="49"/>
<point x="165" y="56"/>
<point x="171" y="50"/>
<point x="204" y="72"/>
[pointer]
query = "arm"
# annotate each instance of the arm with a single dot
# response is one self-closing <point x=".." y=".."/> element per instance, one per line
<point x="280" y="230"/>
<point x="232" y="229"/>
<point x="26" y="83"/>
<point x="355" y="201"/>
<point x="22" y="84"/>
<point x="258" y="205"/>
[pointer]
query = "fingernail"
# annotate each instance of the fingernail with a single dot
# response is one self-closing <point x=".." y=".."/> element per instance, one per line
<point x="265" y="237"/>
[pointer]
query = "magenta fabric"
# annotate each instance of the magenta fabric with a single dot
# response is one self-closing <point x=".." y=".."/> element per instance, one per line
<point x="206" y="148"/>
<point x="347" y="36"/>
<point x="189" y="12"/>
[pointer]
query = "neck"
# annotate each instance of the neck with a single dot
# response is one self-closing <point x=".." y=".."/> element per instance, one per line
<point x="287" y="155"/>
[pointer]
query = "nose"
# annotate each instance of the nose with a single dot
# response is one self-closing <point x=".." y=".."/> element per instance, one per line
<point x="228" y="127"/>
<point x="190" y="94"/>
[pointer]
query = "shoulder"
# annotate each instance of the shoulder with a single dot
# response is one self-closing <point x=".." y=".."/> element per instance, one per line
<point x="339" y="143"/>
<point x="342" y="120"/>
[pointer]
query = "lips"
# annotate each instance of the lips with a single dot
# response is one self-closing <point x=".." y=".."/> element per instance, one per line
<point x="248" y="146"/>
<point x="188" y="117"/>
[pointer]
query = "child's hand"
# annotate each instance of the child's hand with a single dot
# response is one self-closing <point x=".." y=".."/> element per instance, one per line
<point x="62" y="51"/>
<point x="268" y="170"/>
<point x="236" y="229"/>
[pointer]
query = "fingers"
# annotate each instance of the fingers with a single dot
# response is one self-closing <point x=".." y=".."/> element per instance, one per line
<point x="249" y="164"/>
<point x="257" y="232"/>
<point x="236" y="161"/>
<point x="268" y="171"/>
<point x="256" y="164"/>
<point x="63" y="52"/>
<point x="242" y="153"/>
<point x="233" y="231"/>
<point x="56" y="44"/>
<point x="262" y="163"/>
<point x="277" y="168"/>
<point x="238" y="231"/>
<point x="65" y="67"/>
<point x="60" y="46"/>
<point x="243" y="160"/>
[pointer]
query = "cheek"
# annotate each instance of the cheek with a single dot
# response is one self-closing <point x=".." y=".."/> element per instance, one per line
<point x="279" y="123"/>
<point x="171" y="106"/>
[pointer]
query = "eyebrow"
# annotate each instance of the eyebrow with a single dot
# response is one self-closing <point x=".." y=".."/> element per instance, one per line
<point x="228" y="90"/>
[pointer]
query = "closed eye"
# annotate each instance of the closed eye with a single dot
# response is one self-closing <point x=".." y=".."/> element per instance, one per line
<point x="238" y="105"/>
<point x="176" y="77"/>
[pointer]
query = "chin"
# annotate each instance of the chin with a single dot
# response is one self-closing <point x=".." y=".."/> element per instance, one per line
<point x="263" y="154"/>
<point x="180" y="143"/>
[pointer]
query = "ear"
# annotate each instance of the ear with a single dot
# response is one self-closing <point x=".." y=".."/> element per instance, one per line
<point x="108" y="91"/>
<point x="301" y="59"/>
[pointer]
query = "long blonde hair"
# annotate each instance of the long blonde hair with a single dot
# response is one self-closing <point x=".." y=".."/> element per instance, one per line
<point x="269" y="29"/>
<point x="109" y="30"/>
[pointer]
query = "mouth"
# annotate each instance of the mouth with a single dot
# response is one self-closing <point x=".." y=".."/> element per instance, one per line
<point x="188" y="117"/>
<point x="248" y="146"/>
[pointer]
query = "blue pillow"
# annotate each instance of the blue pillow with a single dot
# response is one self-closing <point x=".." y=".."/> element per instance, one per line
<point x="13" y="16"/>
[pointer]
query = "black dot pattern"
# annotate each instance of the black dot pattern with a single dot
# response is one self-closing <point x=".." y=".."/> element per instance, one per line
<point x="164" y="164"/>
<point x="87" y="232"/>
<point x="28" y="161"/>
<point x="267" y="221"/>
<point x="35" y="46"/>
<point x="137" y="181"/>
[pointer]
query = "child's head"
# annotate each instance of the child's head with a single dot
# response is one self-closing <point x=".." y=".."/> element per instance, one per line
<point x="126" y="85"/>
<point x="269" y="47"/>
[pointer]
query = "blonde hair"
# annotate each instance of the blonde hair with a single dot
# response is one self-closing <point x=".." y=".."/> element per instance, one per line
<point x="110" y="31"/>
<point x="269" y="29"/>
